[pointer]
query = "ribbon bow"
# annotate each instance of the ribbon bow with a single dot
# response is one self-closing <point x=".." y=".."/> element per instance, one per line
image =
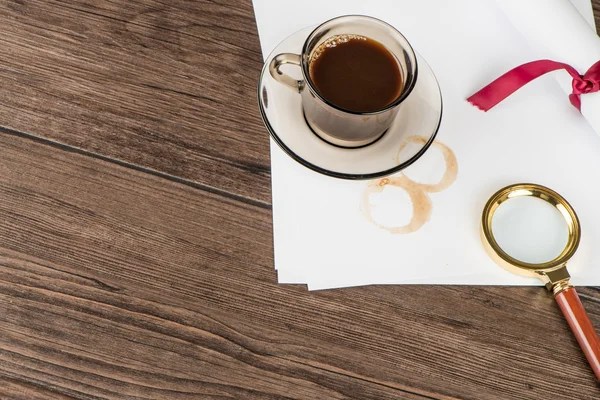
<point x="518" y="77"/>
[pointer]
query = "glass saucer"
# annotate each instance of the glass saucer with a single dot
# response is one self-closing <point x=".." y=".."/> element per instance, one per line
<point x="281" y="109"/>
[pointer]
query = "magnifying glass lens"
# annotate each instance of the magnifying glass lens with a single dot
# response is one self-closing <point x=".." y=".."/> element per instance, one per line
<point x="533" y="231"/>
<point x="530" y="229"/>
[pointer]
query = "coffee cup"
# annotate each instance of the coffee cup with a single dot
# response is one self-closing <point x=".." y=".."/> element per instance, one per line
<point x="356" y="72"/>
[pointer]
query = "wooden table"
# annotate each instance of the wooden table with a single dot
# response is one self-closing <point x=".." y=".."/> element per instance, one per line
<point x="136" y="252"/>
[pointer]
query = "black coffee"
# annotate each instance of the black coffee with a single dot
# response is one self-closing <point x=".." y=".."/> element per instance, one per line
<point x="356" y="73"/>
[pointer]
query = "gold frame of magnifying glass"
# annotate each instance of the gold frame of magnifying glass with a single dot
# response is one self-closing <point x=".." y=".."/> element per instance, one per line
<point x="554" y="273"/>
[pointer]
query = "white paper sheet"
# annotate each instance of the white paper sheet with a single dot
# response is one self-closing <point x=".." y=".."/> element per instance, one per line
<point x="321" y="236"/>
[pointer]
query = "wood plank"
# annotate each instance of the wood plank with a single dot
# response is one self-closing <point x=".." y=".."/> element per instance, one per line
<point x="118" y="284"/>
<point x="169" y="86"/>
<point x="596" y="8"/>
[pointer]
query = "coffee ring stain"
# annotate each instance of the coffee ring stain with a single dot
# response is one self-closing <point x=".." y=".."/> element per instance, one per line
<point x="417" y="192"/>
<point x="420" y="200"/>
<point x="451" y="172"/>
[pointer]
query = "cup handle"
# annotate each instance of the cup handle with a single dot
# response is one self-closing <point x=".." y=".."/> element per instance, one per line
<point x="277" y="62"/>
<point x="572" y="309"/>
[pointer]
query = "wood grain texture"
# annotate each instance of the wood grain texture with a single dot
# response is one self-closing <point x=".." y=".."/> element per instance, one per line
<point x="596" y="8"/>
<point x="117" y="284"/>
<point x="167" y="85"/>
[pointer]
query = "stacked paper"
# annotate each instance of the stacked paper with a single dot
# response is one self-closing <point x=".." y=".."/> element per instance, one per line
<point x="322" y="237"/>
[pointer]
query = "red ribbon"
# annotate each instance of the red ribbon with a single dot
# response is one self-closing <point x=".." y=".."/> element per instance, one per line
<point x="517" y="77"/>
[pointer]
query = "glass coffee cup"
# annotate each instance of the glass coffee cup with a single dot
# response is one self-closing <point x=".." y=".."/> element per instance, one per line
<point x="331" y="122"/>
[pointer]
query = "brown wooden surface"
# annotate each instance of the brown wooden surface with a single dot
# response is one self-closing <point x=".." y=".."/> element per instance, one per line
<point x="141" y="267"/>
<point x="168" y="85"/>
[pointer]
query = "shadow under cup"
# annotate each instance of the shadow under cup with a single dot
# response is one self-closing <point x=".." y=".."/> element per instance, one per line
<point x="332" y="123"/>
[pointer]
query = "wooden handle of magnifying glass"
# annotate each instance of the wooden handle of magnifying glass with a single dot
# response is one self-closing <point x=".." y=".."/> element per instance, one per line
<point x="582" y="327"/>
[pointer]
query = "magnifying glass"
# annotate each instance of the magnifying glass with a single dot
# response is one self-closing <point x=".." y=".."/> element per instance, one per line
<point x="532" y="231"/>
